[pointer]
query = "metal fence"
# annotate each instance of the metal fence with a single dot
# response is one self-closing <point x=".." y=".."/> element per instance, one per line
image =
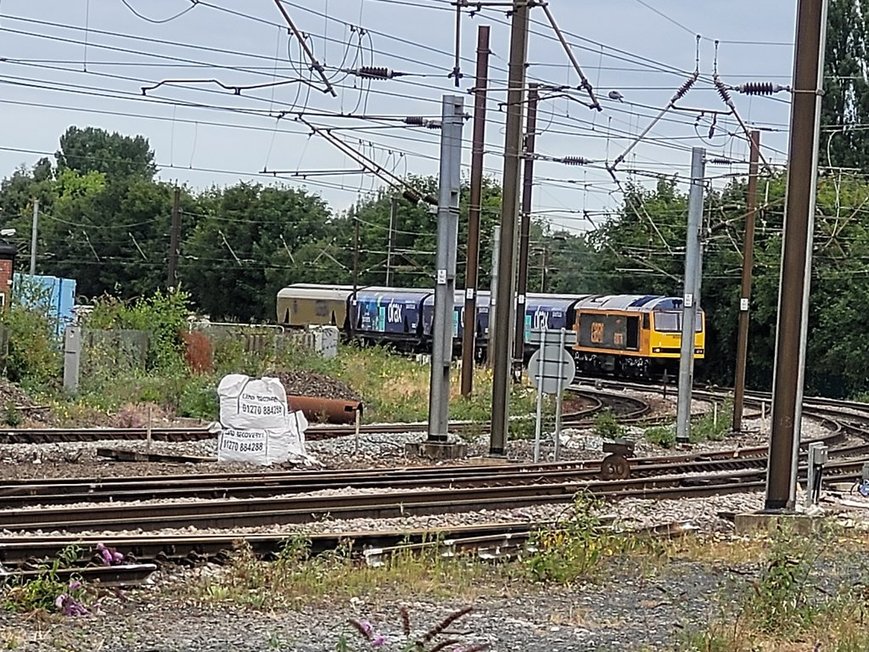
<point x="117" y="349"/>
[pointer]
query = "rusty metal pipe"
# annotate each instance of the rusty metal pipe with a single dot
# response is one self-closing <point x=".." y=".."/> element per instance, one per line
<point x="325" y="410"/>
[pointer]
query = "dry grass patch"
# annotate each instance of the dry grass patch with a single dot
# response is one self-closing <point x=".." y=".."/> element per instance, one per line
<point x="295" y="578"/>
<point x="788" y="606"/>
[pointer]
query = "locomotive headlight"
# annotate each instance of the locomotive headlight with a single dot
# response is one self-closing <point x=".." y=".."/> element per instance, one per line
<point x="656" y="350"/>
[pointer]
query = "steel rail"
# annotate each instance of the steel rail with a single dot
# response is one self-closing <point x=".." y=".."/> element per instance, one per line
<point x="626" y="408"/>
<point x="253" y="487"/>
<point x="303" y="509"/>
<point x="121" y="575"/>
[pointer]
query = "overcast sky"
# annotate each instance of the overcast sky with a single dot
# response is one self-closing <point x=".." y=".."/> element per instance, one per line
<point x="84" y="62"/>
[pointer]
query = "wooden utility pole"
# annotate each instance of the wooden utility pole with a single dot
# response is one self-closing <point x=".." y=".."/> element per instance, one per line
<point x="469" y="323"/>
<point x="390" y="241"/>
<point x="525" y="225"/>
<point x="745" y="294"/>
<point x="509" y="203"/>
<point x="174" y="239"/>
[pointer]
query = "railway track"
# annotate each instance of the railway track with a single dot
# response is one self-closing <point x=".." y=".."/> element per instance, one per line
<point x="305" y="508"/>
<point x="227" y="501"/>
<point x="122" y="575"/>
<point x="624" y="407"/>
<point x="224" y="486"/>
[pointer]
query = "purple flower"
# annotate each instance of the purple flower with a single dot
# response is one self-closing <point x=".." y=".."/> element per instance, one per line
<point x="366" y="627"/>
<point x="378" y="641"/>
<point x="74" y="585"/>
<point x="69" y="606"/>
<point x="109" y="556"/>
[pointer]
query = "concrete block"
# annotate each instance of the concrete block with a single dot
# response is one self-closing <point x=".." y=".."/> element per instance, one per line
<point x="491" y="460"/>
<point x="767" y="522"/>
<point x="436" y="450"/>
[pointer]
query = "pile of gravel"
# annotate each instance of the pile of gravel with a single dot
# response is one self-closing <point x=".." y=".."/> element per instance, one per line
<point x="13" y="398"/>
<point x="311" y="383"/>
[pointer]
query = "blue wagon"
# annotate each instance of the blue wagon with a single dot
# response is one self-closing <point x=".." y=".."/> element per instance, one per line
<point x="381" y="315"/>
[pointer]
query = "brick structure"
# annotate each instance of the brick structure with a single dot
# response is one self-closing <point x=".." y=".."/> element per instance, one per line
<point x="7" y="262"/>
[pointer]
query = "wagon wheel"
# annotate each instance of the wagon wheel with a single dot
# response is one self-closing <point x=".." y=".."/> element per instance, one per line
<point x="615" y="467"/>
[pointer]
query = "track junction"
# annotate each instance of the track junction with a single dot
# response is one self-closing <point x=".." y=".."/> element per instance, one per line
<point x="122" y="511"/>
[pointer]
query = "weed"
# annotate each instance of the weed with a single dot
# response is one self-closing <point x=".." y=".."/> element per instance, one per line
<point x="12" y="415"/>
<point x="426" y="641"/>
<point x="47" y="592"/>
<point x="295" y="577"/>
<point x="572" y="550"/>
<point x="783" y="610"/>
<point x="664" y="436"/>
<point x="607" y="426"/>
<point x="779" y="601"/>
<point x="714" y="425"/>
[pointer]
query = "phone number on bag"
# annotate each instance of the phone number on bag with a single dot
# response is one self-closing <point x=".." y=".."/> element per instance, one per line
<point x="261" y="410"/>
<point x="242" y="446"/>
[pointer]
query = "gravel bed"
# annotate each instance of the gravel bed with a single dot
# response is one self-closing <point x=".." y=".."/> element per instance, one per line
<point x="626" y="608"/>
<point x="311" y="383"/>
<point x="371" y="450"/>
<point x="620" y="614"/>
<point x="629" y="514"/>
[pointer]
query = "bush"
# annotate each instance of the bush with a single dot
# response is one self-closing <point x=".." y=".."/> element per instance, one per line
<point x="163" y="316"/>
<point x="571" y="551"/>
<point x="33" y="356"/>
<point x="607" y="426"/>
<point x="664" y="436"/>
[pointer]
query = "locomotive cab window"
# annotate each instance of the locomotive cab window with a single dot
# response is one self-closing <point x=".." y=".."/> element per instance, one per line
<point x="671" y="322"/>
<point x="633" y="334"/>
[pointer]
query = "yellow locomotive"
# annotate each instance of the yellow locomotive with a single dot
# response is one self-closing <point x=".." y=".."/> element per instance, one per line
<point x="632" y="335"/>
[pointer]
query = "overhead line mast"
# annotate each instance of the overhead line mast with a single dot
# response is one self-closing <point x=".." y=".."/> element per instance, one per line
<point x="509" y="204"/>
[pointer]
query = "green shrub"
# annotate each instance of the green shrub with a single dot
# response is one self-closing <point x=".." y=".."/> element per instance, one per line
<point x="664" y="436"/>
<point x="11" y="415"/>
<point x="162" y="315"/>
<point x="198" y="399"/>
<point x="707" y="428"/>
<point x="571" y="551"/>
<point x="607" y="426"/>
<point x="33" y="352"/>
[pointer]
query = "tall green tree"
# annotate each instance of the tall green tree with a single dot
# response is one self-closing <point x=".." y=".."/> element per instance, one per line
<point x="845" y="106"/>
<point x="251" y="240"/>
<point x="113" y="154"/>
<point x="414" y="236"/>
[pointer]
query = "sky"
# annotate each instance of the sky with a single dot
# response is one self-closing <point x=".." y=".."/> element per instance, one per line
<point x="85" y="63"/>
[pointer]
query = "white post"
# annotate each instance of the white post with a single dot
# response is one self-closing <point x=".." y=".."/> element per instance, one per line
<point x="356" y="434"/>
<point x="71" y="358"/>
<point x="559" y="401"/>
<point x="540" y="367"/>
<point x="33" y="233"/>
<point x="148" y="436"/>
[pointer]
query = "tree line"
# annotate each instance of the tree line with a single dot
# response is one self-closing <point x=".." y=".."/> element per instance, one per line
<point x="106" y="219"/>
